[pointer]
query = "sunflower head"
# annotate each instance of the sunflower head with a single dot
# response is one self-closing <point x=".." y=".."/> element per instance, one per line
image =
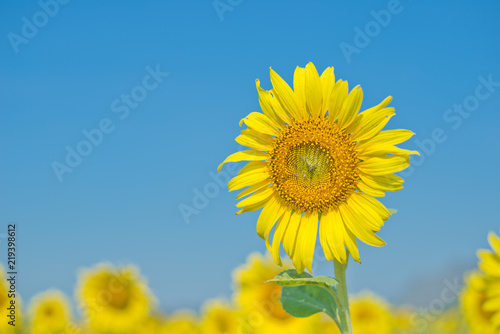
<point x="473" y="302"/>
<point x="5" y="303"/>
<point x="403" y="319"/>
<point x="181" y="323"/>
<point x="219" y="317"/>
<point x="113" y="299"/>
<point x="316" y="161"/>
<point x="50" y="313"/>
<point x="260" y="307"/>
<point x="449" y="322"/>
<point x="251" y="295"/>
<point x="370" y="315"/>
<point x="489" y="260"/>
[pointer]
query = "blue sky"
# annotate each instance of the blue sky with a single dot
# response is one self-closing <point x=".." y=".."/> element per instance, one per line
<point x="82" y="67"/>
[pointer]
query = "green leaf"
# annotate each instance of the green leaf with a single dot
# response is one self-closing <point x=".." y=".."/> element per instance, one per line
<point x="290" y="278"/>
<point x="306" y="300"/>
<point x="304" y="295"/>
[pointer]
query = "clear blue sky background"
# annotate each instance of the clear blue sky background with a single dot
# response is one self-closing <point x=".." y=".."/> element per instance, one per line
<point x="121" y="204"/>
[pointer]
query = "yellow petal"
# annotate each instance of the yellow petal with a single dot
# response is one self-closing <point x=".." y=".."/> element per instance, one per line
<point x="278" y="235"/>
<point x="382" y="150"/>
<point x="247" y="155"/>
<point x="253" y="207"/>
<point x="252" y="189"/>
<point x="354" y="222"/>
<point x="337" y="99"/>
<point x="351" y="107"/>
<point x="371" y="124"/>
<point x="384" y="165"/>
<point x="267" y="106"/>
<point x="247" y="179"/>
<point x="291" y="233"/>
<point x="285" y="95"/>
<point x="332" y="235"/>
<point x="260" y="123"/>
<point x="271" y="107"/>
<point x="494" y="241"/>
<point x="367" y="215"/>
<point x="254" y="166"/>
<point x="387" y="137"/>
<point x="327" y="83"/>
<point x="307" y="240"/>
<point x="388" y="182"/>
<point x="374" y="204"/>
<point x="268" y="217"/>
<point x="313" y="90"/>
<point x="258" y="196"/>
<point x="299" y="89"/>
<point x="367" y="189"/>
<point x="255" y="140"/>
<point x="352" y="245"/>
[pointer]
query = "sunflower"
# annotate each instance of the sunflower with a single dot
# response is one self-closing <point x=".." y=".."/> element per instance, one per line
<point x="219" y="318"/>
<point x="449" y="322"/>
<point x="113" y="299"/>
<point x="403" y="319"/>
<point x="182" y="322"/>
<point x="149" y="325"/>
<point x="370" y="315"/>
<point x="5" y="303"/>
<point x="473" y="301"/>
<point x="261" y="310"/>
<point x="50" y="313"/>
<point x="315" y="162"/>
<point x="490" y="264"/>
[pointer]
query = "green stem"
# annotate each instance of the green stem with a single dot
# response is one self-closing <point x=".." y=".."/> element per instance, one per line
<point x="344" y="314"/>
<point x="337" y="302"/>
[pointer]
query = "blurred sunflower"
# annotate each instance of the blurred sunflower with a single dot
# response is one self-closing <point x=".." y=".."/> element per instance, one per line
<point x="181" y="323"/>
<point x="370" y="315"/>
<point x="261" y="310"/>
<point x="313" y="158"/>
<point x="403" y="319"/>
<point x="473" y="299"/>
<point x="149" y="325"/>
<point x="489" y="263"/>
<point x="50" y="313"/>
<point x="449" y="322"/>
<point x="113" y="299"/>
<point x="324" y="325"/>
<point x="219" y="318"/>
<point x="4" y="304"/>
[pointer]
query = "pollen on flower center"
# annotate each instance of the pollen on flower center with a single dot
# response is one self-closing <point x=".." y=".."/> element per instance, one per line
<point x="313" y="164"/>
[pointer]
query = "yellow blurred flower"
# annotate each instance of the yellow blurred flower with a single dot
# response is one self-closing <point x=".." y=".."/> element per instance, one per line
<point x="261" y="310"/>
<point x="150" y="325"/>
<point x="113" y="299"/>
<point x="472" y="300"/>
<point x="316" y="162"/>
<point x="370" y="315"/>
<point x="323" y="324"/>
<point x="50" y="313"/>
<point x="5" y="303"/>
<point x="219" y="317"/>
<point x="489" y="263"/>
<point x="183" y="322"/>
<point x="403" y="319"/>
<point x="450" y="322"/>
